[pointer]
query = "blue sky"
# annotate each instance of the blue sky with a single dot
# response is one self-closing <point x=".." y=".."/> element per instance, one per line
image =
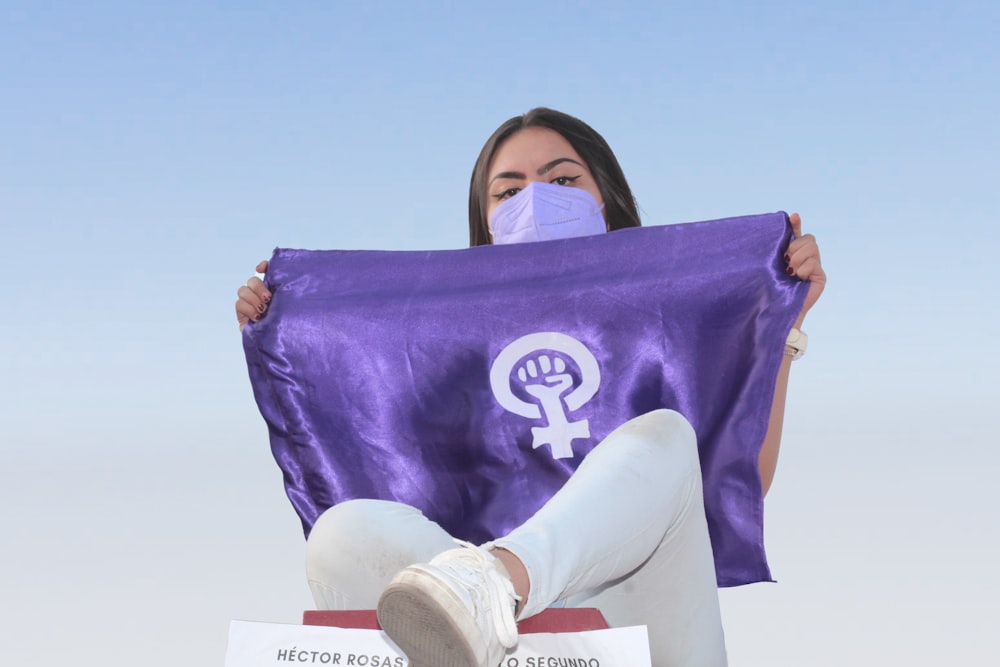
<point x="151" y="155"/>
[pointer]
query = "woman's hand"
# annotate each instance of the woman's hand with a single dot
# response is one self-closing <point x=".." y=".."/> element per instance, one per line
<point x="803" y="261"/>
<point x="252" y="299"/>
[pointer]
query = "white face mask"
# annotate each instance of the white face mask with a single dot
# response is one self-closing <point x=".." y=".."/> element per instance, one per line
<point x="544" y="212"/>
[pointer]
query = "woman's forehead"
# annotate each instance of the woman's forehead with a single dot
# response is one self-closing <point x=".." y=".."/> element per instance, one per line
<point x="531" y="148"/>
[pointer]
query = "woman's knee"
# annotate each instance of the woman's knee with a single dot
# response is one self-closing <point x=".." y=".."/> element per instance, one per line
<point x="378" y="535"/>
<point x="335" y="535"/>
<point x="666" y="421"/>
<point x="668" y="433"/>
<point x="343" y="533"/>
<point x="347" y="520"/>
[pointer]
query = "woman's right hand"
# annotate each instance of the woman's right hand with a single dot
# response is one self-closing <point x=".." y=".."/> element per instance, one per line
<point x="252" y="299"/>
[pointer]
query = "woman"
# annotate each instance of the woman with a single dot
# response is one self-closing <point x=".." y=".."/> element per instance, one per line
<point x="626" y="534"/>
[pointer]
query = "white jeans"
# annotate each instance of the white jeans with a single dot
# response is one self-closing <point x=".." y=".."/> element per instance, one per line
<point x="626" y="534"/>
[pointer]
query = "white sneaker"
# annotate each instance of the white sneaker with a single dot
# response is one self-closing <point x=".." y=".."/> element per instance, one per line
<point x="456" y="611"/>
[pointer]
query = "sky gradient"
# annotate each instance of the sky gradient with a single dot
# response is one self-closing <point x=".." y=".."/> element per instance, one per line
<point x="151" y="155"/>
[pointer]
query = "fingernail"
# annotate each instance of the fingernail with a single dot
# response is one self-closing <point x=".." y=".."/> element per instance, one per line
<point x="790" y="271"/>
<point x="256" y="318"/>
<point x="267" y="296"/>
<point x="260" y="307"/>
<point x="787" y="258"/>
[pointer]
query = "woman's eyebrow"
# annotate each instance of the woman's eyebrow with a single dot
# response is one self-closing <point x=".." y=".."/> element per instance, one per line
<point x="547" y="167"/>
<point x="508" y="174"/>
<point x="559" y="160"/>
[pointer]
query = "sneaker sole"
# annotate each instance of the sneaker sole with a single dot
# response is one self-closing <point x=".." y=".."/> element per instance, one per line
<point x="419" y="615"/>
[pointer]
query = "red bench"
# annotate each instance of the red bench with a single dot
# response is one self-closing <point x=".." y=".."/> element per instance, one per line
<point x="550" y="620"/>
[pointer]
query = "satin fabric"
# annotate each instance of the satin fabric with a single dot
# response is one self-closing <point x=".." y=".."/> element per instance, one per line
<point x="372" y="369"/>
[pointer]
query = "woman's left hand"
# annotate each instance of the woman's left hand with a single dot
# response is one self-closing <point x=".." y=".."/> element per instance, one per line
<point x="803" y="261"/>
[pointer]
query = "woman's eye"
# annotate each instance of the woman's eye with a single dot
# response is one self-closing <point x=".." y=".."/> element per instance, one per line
<point x="564" y="180"/>
<point x="507" y="194"/>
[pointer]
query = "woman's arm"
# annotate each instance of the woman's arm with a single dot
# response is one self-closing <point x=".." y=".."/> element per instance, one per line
<point x="803" y="261"/>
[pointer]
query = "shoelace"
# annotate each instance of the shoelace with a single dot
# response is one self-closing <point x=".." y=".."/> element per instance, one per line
<point x="498" y="593"/>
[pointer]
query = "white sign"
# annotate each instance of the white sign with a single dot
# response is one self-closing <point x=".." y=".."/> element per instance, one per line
<point x="276" y="645"/>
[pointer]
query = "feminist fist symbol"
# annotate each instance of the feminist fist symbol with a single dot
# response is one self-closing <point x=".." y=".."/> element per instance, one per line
<point x="548" y="389"/>
<point x="544" y="378"/>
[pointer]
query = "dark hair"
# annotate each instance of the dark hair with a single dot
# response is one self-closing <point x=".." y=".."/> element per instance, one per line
<point x="619" y="204"/>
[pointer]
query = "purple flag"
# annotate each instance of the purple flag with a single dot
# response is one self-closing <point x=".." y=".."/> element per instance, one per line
<point x="471" y="383"/>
